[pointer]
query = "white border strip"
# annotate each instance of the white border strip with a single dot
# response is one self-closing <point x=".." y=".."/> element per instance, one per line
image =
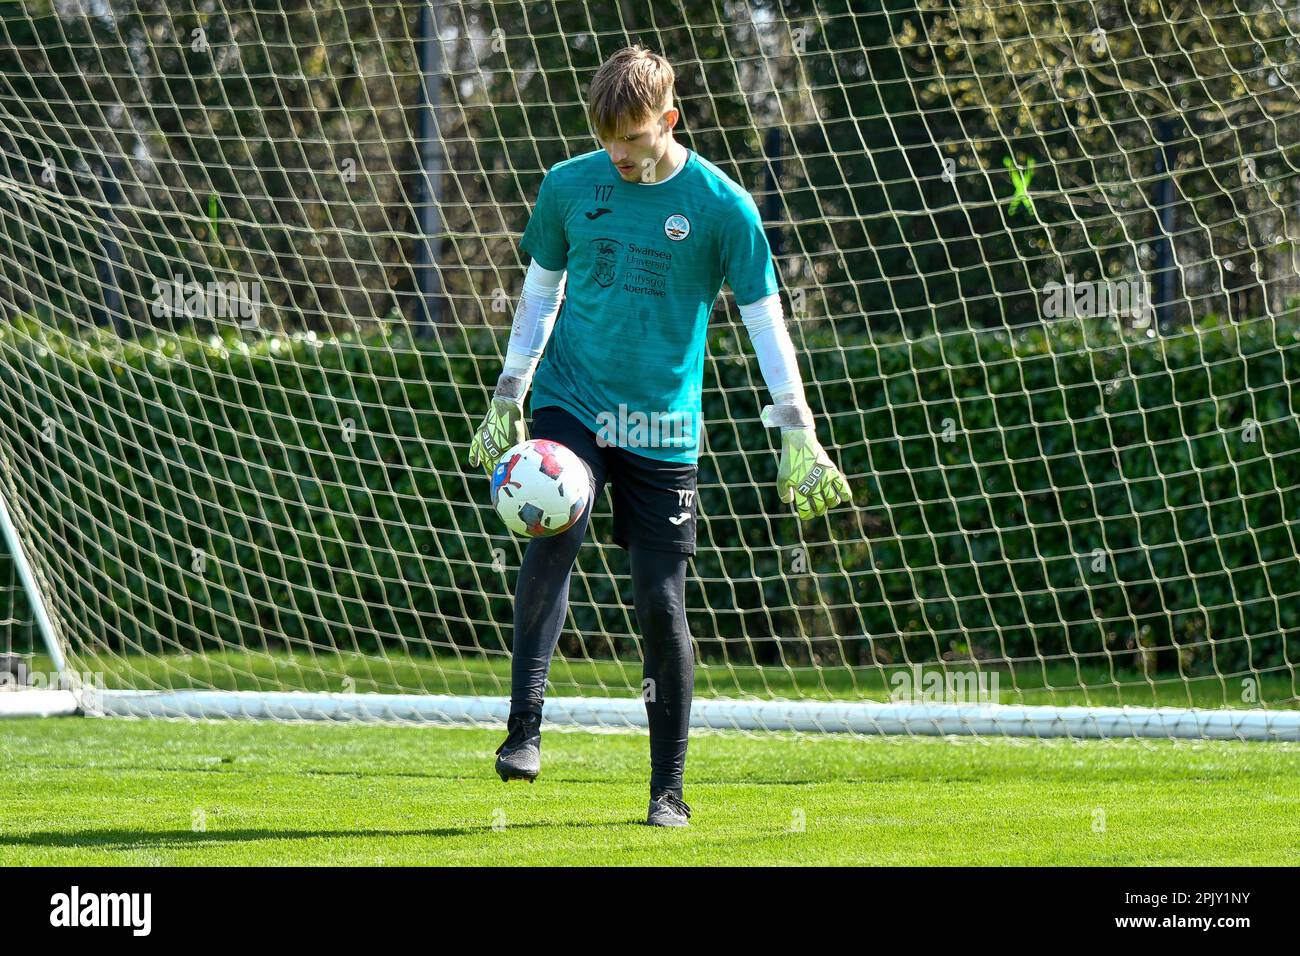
<point x="818" y="716"/>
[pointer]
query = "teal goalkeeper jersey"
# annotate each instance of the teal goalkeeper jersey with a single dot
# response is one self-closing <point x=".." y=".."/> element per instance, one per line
<point x="645" y="263"/>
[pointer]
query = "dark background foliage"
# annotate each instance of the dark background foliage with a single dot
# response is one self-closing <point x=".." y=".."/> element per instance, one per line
<point x="1059" y="494"/>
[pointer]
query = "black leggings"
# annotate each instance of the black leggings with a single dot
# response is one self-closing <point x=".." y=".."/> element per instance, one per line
<point x="659" y="584"/>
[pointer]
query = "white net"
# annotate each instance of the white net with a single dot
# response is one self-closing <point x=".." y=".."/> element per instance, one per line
<point x="258" y="262"/>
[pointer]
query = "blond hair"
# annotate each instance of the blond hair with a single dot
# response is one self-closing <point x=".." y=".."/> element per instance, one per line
<point x="632" y="86"/>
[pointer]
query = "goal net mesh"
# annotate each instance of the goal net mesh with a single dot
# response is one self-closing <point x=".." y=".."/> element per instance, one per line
<point x="259" y="260"/>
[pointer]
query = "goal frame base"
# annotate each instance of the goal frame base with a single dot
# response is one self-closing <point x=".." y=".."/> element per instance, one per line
<point x="37" y="702"/>
<point x="830" y="717"/>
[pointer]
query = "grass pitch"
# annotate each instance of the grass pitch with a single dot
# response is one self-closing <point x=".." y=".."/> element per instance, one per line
<point x="79" y="791"/>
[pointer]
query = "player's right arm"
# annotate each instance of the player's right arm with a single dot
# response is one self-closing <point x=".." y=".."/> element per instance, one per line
<point x="503" y="426"/>
<point x="544" y="240"/>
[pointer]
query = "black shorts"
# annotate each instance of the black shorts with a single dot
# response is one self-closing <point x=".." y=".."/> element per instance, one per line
<point x="654" y="501"/>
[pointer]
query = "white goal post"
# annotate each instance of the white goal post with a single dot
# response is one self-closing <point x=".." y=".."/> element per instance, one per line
<point x="258" y="264"/>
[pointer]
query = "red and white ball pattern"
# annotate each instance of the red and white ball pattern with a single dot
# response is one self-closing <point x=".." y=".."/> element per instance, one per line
<point x="540" y="488"/>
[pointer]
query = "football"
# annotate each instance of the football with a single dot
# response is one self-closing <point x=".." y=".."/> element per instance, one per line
<point x="540" y="488"/>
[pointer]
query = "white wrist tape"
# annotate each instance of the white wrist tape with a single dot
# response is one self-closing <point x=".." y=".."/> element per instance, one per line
<point x="787" y="417"/>
<point x="512" y="388"/>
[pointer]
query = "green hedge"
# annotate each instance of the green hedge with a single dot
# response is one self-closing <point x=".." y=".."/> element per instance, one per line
<point x="1063" y="490"/>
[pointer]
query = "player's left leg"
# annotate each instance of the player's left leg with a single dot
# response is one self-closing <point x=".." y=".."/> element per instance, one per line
<point x="654" y="519"/>
<point x="659" y="585"/>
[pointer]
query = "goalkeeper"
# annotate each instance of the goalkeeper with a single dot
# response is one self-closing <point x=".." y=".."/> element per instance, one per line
<point x="644" y="232"/>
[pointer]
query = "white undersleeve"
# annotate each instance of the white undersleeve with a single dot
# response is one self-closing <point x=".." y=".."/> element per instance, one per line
<point x="776" y="358"/>
<point x="539" y="305"/>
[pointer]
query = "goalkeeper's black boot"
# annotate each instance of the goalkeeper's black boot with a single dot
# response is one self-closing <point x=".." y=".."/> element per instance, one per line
<point x="667" y="810"/>
<point x="520" y="757"/>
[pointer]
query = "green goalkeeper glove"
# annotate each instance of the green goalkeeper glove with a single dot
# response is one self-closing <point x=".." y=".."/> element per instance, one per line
<point x="806" y="476"/>
<point x="502" y="429"/>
